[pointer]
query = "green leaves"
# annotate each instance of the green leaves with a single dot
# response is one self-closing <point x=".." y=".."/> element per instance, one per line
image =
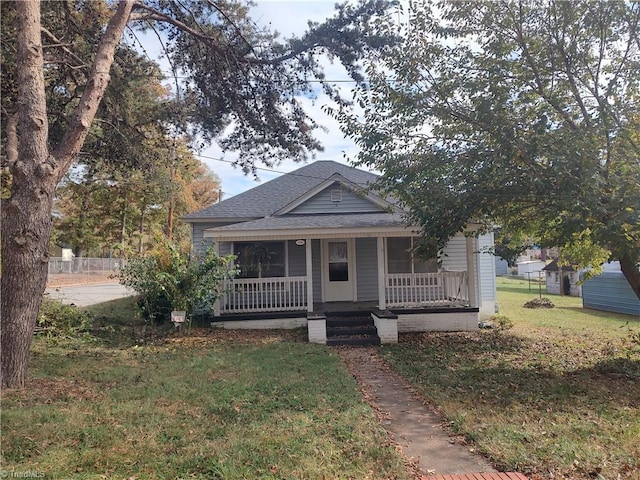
<point x="171" y="279"/>
<point x="520" y="114"/>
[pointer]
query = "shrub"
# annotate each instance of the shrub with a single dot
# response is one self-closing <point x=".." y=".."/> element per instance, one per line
<point x="56" y="319"/>
<point x="501" y="322"/>
<point x="171" y="279"/>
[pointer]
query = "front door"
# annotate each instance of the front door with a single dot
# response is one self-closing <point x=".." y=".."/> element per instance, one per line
<point x="338" y="269"/>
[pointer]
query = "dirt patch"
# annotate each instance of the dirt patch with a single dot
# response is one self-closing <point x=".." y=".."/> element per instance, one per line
<point x="66" y="279"/>
<point x="202" y="337"/>
<point x="38" y="391"/>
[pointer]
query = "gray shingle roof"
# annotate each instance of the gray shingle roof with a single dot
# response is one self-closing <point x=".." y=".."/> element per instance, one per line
<point x="265" y="199"/>
<point x="347" y="220"/>
<point x="554" y="267"/>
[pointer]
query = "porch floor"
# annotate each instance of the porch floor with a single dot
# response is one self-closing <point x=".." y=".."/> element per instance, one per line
<point x="372" y="306"/>
<point x="355" y="307"/>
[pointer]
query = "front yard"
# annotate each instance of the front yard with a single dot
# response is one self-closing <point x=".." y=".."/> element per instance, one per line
<point x="557" y="396"/>
<point x="215" y="405"/>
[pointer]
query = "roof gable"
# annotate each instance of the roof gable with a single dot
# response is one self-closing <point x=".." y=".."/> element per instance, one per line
<point x="272" y="196"/>
<point x="336" y="195"/>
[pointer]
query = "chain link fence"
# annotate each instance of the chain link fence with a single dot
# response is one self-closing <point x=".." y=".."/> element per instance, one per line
<point x="87" y="266"/>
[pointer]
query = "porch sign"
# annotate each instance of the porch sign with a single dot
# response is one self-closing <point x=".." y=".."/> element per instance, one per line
<point x="178" y="317"/>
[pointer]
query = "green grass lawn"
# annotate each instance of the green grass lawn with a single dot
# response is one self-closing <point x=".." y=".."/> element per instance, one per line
<point x="212" y="405"/>
<point x="557" y="396"/>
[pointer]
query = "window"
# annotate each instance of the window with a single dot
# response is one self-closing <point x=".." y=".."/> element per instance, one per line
<point x="260" y="259"/>
<point x="399" y="255"/>
<point x="338" y="262"/>
<point x="401" y="260"/>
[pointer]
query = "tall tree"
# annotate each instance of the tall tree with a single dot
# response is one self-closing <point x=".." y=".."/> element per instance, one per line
<point x="100" y="206"/>
<point x="240" y="78"/>
<point x="523" y="114"/>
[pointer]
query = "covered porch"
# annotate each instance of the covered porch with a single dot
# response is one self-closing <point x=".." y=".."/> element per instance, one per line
<point x="358" y="266"/>
<point x="399" y="291"/>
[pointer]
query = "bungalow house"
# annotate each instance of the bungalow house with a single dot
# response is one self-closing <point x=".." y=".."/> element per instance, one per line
<point x="314" y="245"/>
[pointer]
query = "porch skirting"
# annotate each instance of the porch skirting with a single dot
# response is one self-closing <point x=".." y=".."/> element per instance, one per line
<point x="388" y="323"/>
<point x="451" y="321"/>
<point x="284" y="323"/>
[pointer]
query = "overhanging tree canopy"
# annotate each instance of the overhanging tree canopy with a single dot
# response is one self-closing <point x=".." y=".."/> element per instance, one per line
<point x="523" y="114"/>
<point x="238" y="77"/>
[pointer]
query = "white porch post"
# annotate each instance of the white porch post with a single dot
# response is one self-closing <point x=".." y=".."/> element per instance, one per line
<point x="216" y="305"/>
<point x="309" y="276"/>
<point x="471" y="272"/>
<point x="382" y="300"/>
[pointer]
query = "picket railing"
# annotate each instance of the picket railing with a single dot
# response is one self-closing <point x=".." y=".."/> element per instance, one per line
<point x="427" y="289"/>
<point x="275" y="294"/>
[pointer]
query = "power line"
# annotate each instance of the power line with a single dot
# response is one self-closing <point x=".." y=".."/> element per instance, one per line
<point x="273" y="170"/>
<point x="323" y="178"/>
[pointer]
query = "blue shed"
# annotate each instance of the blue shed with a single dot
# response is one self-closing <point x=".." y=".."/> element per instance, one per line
<point x="611" y="292"/>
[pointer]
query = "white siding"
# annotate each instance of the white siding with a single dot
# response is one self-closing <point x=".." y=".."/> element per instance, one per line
<point x="455" y="259"/>
<point x="487" y="274"/>
<point x="455" y="254"/>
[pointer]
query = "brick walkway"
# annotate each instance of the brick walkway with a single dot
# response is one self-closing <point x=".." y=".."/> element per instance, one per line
<point x="479" y="476"/>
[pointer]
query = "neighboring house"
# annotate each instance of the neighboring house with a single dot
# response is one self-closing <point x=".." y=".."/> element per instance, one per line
<point x="530" y="268"/>
<point x="565" y="277"/>
<point x="502" y="266"/>
<point x="315" y="240"/>
<point x="610" y="291"/>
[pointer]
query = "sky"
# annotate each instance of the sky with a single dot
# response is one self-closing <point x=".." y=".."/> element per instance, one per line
<point x="289" y="17"/>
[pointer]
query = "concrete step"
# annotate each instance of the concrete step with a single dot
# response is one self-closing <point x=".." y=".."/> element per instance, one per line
<point x="351" y="330"/>
<point x="349" y="321"/>
<point x="362" y="341"/>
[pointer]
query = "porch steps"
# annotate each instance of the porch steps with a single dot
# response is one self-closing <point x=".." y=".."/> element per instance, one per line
<point x="343" y="329"/>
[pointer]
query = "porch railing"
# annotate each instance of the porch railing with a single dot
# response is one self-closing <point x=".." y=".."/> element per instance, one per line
<point x="427" y="289"/>
<point x="275" y="294"/>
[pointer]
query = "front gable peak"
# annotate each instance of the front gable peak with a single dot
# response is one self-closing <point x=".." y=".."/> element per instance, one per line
<point x="336" y="195"/>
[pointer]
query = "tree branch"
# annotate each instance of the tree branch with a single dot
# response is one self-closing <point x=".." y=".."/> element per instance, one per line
<point x="97" y="83"/>
<point x="64" y="48"/>
<point x="538" y="85"/>
<point x="152" y="14"/>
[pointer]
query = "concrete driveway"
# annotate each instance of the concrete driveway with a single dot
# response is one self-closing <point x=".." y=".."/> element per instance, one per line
<point x="83" y="295"/>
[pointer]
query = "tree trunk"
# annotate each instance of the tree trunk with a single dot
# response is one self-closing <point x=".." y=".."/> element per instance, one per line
<point x="141" y="225"/>
<point x="171" y="205"/>
<point x="80" y="240"/>
<point x="26" y="215"/>
<point x="78" y="253"/>
<point x="123" y="225"/>
<point x="631" y="273"/>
